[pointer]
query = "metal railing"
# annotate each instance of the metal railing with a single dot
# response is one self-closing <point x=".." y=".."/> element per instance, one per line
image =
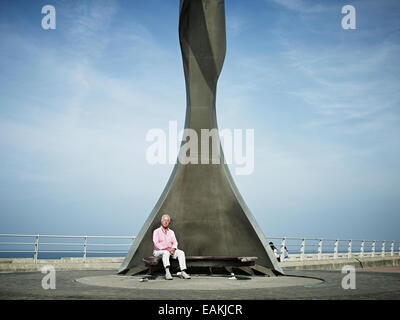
<point x="73" y="245"/>
<point x="297" y="248"/>
<point x="323" y="248"/>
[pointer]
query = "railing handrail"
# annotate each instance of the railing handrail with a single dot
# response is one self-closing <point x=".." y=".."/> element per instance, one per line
<point x="338" y="243"/>
<point x="63" y="236"/>
<point x="330" y="239"/>
<point x="130" y="237"/>
<point x="317" y="244"/>
<point x="38" y="246"/>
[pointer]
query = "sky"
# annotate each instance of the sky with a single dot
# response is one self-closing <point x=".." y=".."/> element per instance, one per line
<point x="76" y="104"/>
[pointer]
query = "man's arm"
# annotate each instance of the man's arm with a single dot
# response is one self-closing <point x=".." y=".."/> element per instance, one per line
<point x="155" y="238"/>
<point x="174" y="244"/>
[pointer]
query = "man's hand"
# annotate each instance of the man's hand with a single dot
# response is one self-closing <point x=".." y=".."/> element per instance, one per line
<point x="171" y="251"/>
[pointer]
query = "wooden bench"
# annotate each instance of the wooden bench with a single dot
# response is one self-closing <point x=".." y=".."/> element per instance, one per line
<point x="227" y="262"/>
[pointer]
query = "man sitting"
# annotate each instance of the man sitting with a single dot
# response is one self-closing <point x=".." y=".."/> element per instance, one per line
<point x="166" y="245"/>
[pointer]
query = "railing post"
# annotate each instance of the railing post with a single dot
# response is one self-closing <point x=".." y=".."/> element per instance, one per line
<point x="383" y="248"/>
<point x="373" y="248"/>
<point x="84" y="247"/>
<point x="392" y="249"/>
<point x="35" y="256"/>
<point x="336" y="249"/>
<point x="362" y="248"/>
<point x="349" y="249"/>
<point x="320" y="249"/>
<point x="303" y="249"/>
<point x="283" y="244"/>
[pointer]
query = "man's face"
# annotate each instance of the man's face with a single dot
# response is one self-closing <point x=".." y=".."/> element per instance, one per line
<point x="165" y="222"/>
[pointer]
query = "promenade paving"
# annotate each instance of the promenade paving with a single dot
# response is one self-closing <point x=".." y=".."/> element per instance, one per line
<point x="377" y="284"/>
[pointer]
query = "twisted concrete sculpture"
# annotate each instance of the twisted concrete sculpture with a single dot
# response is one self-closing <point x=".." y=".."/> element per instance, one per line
<point x="209" y="216"/>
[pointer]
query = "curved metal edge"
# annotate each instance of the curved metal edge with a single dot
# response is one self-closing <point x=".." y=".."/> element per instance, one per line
<point x="125" y="264"/>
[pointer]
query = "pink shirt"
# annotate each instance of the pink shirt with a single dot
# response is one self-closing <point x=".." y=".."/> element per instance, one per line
<point x="163" y="239"/>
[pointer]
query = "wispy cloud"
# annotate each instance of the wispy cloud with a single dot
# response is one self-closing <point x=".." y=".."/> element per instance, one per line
<point x="76" y="104"/>
<point x="348" y="85"/>
<point x="235" y="25"/>
<point x="90" y="113"/>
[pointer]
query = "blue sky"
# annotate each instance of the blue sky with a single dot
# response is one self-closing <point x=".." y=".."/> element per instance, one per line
<point x="76" y="103"/>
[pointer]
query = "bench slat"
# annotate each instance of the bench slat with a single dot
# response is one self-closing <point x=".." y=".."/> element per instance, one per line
<point x="156" y="260"/>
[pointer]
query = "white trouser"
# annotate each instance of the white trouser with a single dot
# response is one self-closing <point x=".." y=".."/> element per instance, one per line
<point x="178" y="254"/>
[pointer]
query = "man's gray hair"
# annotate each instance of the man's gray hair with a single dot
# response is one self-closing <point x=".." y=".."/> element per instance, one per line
<point x="166" y="215"/>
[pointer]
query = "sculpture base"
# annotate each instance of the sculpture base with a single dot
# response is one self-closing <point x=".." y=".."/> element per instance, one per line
<point x="197" y="282"/>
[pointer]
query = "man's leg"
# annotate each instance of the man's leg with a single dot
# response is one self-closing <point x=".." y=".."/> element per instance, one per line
<point x="180" y="255"/>
<point x="165" y="258"/>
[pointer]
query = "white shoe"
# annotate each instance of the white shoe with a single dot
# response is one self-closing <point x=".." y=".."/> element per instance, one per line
<point x="168" y="275"/>
<point x="184" y="275"/>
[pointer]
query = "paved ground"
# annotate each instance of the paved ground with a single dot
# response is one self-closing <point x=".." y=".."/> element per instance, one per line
<point x="384" y="269"/>
<point x="369" y="285"/>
